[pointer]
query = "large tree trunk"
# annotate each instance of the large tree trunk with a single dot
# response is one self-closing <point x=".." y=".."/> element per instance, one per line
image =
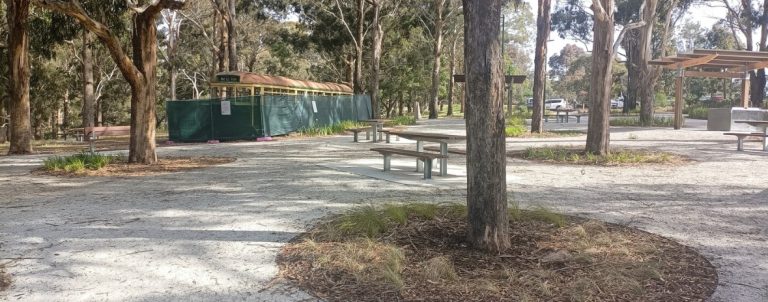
<point x="223" y="49"/>
<point x="452" y="67"/>
<point x="18" y="66"/>
<point x="232" y="34"/>
<point x="646" y="80"/>
<point x="486" y="150"/>
<point x="360" y="34"/>
<point x="543" y="21"/>
<point x="89" y="99"/>
<point x="598" y="134"/>
<point x="143" y="95"/>
<point x="378" y="37"/>
<point x="436" y="53"/>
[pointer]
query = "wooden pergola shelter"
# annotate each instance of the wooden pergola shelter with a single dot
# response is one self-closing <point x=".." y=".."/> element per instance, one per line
<point x="712" y="63"/>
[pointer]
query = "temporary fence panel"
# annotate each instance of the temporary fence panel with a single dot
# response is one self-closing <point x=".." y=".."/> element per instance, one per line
<point x="259" y="116"/>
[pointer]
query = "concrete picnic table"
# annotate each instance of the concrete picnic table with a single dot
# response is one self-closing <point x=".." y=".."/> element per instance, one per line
<point x="567" y="113"/>
<point x="442" y="139"/>
<point x="762" y="126"/>
<point x="377" y="125"/>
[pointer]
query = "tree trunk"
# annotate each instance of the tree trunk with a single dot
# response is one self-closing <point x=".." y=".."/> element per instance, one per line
<point x="65" y="114"/>
<point x="486" y="151"/>
<point x="232" y="34"/>
<point x="143" y="95"/>
<point x="378" y="37"/>
<point x="543" y="20"/>
<point x="89" y="99"/>
<point x="223" y="42"/>
<point x="436" y="52"/>
<point x="452" y="67"/>
<point x="18" y="67"/>
<point x="598" y="134"/>
<point x="400" y="103"/>
<point x="358" y="76"/>
<point x="647" y="83"/>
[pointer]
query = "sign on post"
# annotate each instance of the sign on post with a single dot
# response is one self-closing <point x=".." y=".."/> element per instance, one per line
<point x="226" y="109"/>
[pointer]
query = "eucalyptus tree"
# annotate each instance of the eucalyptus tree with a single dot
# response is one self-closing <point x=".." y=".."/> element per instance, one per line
<point x="543" y="28"/>
<point x="486" y="151"/>
<point x="435" y="15"/>
<point x="17" y="14"/>
<point x="139" y="71"/>
<point x="745" y="18"/>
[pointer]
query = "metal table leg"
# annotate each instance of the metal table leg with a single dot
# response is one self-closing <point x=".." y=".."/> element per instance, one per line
<point x="375" y="128"/>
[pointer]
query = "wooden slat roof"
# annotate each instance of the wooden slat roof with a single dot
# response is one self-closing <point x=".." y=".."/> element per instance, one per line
<point x="719" y="60"/>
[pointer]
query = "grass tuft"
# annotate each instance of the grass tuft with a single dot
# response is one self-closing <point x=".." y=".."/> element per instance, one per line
<point x="78" y="162"/>
<point x="580" y="157"/>
<point x="330" y="129"/>
<point x="538" y="214"/>
<point x="635" y="122"/>
<point x="439" y="268"/>
<point x="403" y="120"/>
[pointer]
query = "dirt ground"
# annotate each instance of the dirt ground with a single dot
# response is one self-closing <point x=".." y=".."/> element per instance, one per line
<point x="212" y="234"/>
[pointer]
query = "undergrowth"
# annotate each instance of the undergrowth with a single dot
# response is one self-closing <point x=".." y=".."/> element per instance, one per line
<point x="403" y="120"/>
<point x="635" y="122"/>
<point x="330" y="129"/>
<point x="615" y="157"/>
<point x="79" y="162"/>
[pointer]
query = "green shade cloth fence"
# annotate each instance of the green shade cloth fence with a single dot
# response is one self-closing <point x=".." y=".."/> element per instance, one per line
<point x="252" y="117"/>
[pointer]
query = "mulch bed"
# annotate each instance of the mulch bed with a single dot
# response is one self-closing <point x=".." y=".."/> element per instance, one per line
<point x="163" y="165"/>
<point x="584" y="260"/>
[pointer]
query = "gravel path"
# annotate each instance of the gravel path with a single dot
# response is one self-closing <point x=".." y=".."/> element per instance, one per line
<point x="212" y="234"/>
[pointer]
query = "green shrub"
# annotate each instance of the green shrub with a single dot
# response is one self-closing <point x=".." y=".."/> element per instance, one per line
<point x="661" y="100"/>
<point x="697" y="112"/>
<point x="330" y="129"/>
<point x="78" y="162"/>
<point x="403" y="120"/>
<point x="516" y="123"/>
<point x="635" y="121"/>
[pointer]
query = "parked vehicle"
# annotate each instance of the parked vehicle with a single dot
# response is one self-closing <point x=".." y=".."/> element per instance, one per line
<point x="555" y="104"/>
<point x="529" y="103"/>
<point x="617" y="103"/>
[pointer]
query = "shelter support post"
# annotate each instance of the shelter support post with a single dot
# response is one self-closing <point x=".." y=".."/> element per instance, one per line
<point x="678" y="120"/>
<point x="745" y="90"/>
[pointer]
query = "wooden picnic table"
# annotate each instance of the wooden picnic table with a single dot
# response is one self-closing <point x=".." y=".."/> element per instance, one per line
<point x="761" y="126"/>
<point x="376" y="125"/>
<point x="441" y="138"/>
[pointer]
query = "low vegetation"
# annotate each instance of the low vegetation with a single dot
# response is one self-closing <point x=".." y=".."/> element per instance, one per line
<point x="516" y="123"/>
<point x="635" y="121"/>
<point x="402" y="120"/>
<point x="79" y="162"/>
<point x="334" y="129"/>
<point x="86" y="164"/>
<point x="617" y="157"/>
<point x="697" y="112"/>
<point x="417" y="252"/>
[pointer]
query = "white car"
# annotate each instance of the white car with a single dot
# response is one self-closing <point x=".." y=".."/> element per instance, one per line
<point x="555" y="104"/>
<point x="617" y="104"/>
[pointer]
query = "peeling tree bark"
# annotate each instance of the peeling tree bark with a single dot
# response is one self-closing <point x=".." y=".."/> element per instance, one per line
<point x="486" y="151"/>
<point x="598" y="135"/>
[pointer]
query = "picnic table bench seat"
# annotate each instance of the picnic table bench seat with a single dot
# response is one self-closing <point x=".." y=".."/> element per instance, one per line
<point x="96" y="132"/>
<point x="388" y="132"/>
<point x="356" y="131"/>
<point x="740" y="136"/>
<point x="425" y="157"/>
